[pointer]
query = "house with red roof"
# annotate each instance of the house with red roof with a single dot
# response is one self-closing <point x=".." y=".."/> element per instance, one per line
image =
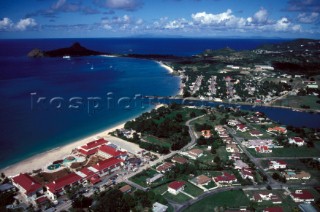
<point x="58" y="186"/>
<point x="27" y="185"/>
<point x="164" y="167"/>
<point x="280" y="130"/>
<point x="176" y="187"/>
<point x="277" y="164"/>
<point x="206" y="133"/>
<point x="246" y="173"/>
<point x="195" y="153"/>
<point x="107" y="152"/>
<point x="225" y="178"/>
<point x="256" y="133"/>
<point x="302" y="196"/>
<point x="242" y="127"/>
<point x="90" y="174"/>
<point x="108" y="166"/>
<point x="260" y="196"/>
<point x="297" y="140"/>
<point x="263" y="149"/>
<point x="91" y="148"/>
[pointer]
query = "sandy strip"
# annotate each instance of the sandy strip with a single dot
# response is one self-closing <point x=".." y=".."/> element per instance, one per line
<point x="168" y="68"/>
<point x="44" y="159"/>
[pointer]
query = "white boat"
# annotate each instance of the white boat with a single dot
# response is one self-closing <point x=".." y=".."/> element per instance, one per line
<point x="66" y="57"/>
<point x="92" y="67"/>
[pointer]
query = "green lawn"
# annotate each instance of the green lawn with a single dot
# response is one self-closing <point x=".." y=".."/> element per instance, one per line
<point x="297" y="101"/>
<point x="159" y="141"/>
<point x="160" y="189"/>
<point x="192" y="189"/>
<point x="179" y="198"/>
<point x="228" y="199"/>
<point x="142" y="177"/>
<point x="289" y="152"/>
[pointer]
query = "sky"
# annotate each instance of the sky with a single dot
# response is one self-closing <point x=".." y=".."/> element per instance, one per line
<point x="159" y="18"/>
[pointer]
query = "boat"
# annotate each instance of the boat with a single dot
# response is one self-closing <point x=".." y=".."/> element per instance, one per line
<point x="66" y="57"/>
<point x="92" y="67"/>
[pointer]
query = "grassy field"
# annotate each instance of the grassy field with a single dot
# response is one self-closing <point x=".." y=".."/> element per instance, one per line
<point x="289" y="152"/>
<point x="192" y="189"/>
<point x="228" y="199"/>
<point x="159" y="141"/>
<point x="297" y="101"/>
<point x="142" y="177"/>
<point x="179" y="198"/>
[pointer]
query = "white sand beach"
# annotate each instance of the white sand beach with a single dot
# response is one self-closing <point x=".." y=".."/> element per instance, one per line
<point x="168" y="68"/>
<point x="43" y="159"/>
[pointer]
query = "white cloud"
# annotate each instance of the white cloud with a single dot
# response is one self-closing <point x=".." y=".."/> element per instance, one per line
<point x="5" y="23"/>
<point x="176" y="24"/>
<point x="23" y="24"/>
<point x="261" y="16"/>
<point x="212" y="19"/>
<point x="308" y="19"/>
<point x="119" y="4"/>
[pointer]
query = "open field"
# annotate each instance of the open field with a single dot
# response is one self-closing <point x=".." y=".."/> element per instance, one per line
<point x="220" y="200"/>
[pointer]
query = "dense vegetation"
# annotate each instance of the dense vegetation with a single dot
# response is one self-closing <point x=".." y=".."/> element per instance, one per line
<point x="164" y="123"/>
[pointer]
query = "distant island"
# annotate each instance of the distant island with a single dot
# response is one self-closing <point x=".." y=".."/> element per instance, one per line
<point x="76" y="50"/>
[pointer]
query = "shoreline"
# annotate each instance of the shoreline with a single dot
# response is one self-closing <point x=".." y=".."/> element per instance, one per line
<point x="43" y="159"/>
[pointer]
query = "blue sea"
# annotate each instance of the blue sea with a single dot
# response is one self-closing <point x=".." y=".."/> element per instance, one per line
<point x="49" y="102"/>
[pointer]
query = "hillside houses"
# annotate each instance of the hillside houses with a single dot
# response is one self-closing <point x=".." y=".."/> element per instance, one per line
<point x="302" y="196"/>
<point x="297" y="141"/>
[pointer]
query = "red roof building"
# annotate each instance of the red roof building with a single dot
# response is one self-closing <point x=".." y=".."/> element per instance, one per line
<point x="164" y="167"/>
<point x="26" y="184"/>
<point x="296" y="140"/>
<point x="225" y="178"/>
<point x="91" y="147"/>
<point x="109" y="152"/>
<point x="58" y="185"/>
<point x="242" y="127"/>
<point x="108" y="166"/>
<point x="263" y="149"/>
<point x="302" y="196"/>
<point x="246" y="173"/>
<point x="175" y="187"/>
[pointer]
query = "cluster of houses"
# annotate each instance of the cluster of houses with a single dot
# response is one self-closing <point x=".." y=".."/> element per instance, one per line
<point x="110" y="160"/>
<point x="289" y="174"/>
<point x="196" y="85"/>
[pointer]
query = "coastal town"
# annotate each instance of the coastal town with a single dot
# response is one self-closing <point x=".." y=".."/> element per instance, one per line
<point x="228" y="153"/>
<point x="230" y="76"/>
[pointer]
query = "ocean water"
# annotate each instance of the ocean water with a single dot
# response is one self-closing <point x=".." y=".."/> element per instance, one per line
<point x="49" y="102"/>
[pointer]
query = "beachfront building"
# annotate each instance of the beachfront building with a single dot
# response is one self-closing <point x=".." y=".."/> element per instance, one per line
<point x="302" y="196"/>
<point x="176" y="187"/>
<point x="107" y="152"/>
<point x="296" y="140"/>
<point x="58" y="187"/>
<point x="90" y="175"/>
<point x="27" y="186"/>
<point x="91" y="148"/>
<point x="108" y="166"/>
